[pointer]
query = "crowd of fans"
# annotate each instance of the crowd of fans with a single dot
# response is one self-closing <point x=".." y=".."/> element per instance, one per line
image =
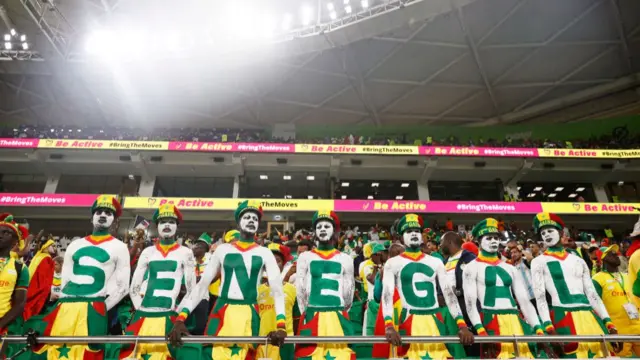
<point x="616" y="140"/>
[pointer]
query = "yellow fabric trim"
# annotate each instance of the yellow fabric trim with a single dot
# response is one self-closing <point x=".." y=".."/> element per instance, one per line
<point x="509" y="324"/>
<point x="40" y="255"/>
<point x="153" y="327"/>
<point x="425" y="325"/>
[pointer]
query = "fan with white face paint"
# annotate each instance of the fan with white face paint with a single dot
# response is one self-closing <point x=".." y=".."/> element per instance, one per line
<point x="102" y="219"/>
<point x="249" y="222"/>
<point x="324" y="231"/>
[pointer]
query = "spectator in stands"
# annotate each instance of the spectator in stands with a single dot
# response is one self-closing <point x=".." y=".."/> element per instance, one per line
<point x="41" y="270"/>
<point x="524" y="268"/>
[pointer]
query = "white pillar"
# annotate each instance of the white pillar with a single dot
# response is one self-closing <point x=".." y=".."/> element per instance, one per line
<point x="601" y="193"/>
<point x="236" y="187"/>
<point x="52" y="184"/>
<point x="147" y="184"/>
<point x="423" y="192"/>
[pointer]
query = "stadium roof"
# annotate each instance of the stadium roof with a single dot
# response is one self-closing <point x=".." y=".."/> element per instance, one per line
<point x="441" y="62"/>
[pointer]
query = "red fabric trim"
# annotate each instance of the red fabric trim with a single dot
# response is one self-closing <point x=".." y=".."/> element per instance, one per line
<point x="326" y="257"/>
<point x="93" y="355"/>
<point x="241" y="249"/>
<point x="94" y="242"/>
<point x="99" y="307"/>
<point x="635" y="245"/>
<point x="413" y="259"/>
<point x="174" y="247"/>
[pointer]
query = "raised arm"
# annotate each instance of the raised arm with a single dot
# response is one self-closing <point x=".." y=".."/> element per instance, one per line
<point x="189" y="278"/>
<point x="540" y="293"/>
<point x="122" y="276"/>
<point x="302" y="281"/>
<point x="348" y="282"/>
<point x="470" y="278"/>
<point x="526" y="307"/>
<point x="138" y="279"/>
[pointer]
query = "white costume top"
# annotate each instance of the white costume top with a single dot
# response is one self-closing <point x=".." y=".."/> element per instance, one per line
<point x="241" y="265"/>
<point x="416" y="280"/>
<point x="96" y="269"/>
<point x="567" y="279"/>
<point x="324" y="279"/>
<point x="165" y="272"/>
<point x="500" y="279"/>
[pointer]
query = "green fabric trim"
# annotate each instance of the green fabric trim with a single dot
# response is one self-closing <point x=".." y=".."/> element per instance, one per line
<point x="324" y="309"/>
<point x="81" y="299"/>
<point x="570" y="309"/>
<point x="598" y="288"/>
<point x="423" y="312"/>
<point x="500" y="312"/>
<point x="149" y="314"/>
<point x="635" y="289"/>
<point x="236" y="302"/>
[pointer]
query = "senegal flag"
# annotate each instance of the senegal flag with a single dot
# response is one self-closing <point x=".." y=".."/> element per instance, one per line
<point x="383" y="351"/>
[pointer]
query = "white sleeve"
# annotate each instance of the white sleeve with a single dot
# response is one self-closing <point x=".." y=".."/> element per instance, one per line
<point x="526" y="307"/>
<point x="388" y="288"/>
<point x="202" y="287"/>
<point x="539" y="290"/>
<point x="189" y="277"/>
<point x="138" y="279"/>
<point x="470" y="276"/>
<point x="348" y="282"/>
<point x="592" y="295"/>
<point x="302" y="279"/>
<point x="121" y="274"/>
<point x="275" y="281"/>
<point x="447" y="291"/>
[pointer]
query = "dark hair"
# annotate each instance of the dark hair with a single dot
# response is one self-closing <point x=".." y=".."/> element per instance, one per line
<point x="306" y="243"/>
<point x="454" y="237"/>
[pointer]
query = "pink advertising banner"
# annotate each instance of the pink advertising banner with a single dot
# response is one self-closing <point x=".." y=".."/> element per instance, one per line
<point x="477" y="151"/>
<point x="452" y="207"/>
<point x="18" y="143"/>
<point x="231" y="147"/>
<point x="48" y="200"/>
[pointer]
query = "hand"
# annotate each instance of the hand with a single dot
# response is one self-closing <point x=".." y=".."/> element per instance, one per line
<point x="175" y="336"/>
<point x="617" y="346"/>
<point x="466" y="336"/>
<point x="557" y="347"/>
<point x="392" y="336"/>
<point x="489" y="351"/>
<point x="276" y="338"/>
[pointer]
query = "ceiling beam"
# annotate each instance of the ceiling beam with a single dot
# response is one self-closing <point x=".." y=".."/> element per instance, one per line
<point x="615" y="10"/>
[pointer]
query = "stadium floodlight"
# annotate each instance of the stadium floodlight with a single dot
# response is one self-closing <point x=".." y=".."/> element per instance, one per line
<point x="559" y="188"/>
<point x="288" y="197"/>
<point x="531" y="195"/>
<point x="311" y="177"/>
<point x="7" y="37"/>
<point x="307" y="15"/>
<point x="13" y="32"/>
<point x="572" y="195"/>
<point x="404" y="185"/>
<point x="399" y="197"/>
<point x="23" y="38"/>
<point x="552" y="195"/>
<point x="375" y="184"/>
<point x="25" y="46"/>
<point x="364" y="3"/>
<point x="620" y="183"/>
<point x="100" y="42"/>
<point x="580" y="189"/>
<point x="310" y="197"/>
<point x="370" y="197"/>
<point x="286" y="22"/>
<point x="348" y="9"/>
<point x="7" y="46"/>
<point x="537" y="188"/>
<point x="286" y="177"/>
<point x="345" y="184"/>
<point x="264" y="177"/>
<point x="333" y="15"/>
<point x="343" y="197"/>
<point x="330" y="6"/>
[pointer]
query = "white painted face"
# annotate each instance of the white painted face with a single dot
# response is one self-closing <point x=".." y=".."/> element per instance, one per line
<point x="490" y="243"/>
<point x="550" y="236"/>
<point x="324" y="231"/>
<point x="412" y="238"/>
<point x="102" y="219"/>
<point x="167" y="228"/>
<point x="249" y="222"/>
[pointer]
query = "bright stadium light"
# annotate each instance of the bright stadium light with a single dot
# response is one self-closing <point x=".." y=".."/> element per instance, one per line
<point x="343" y="197"/>
<point x="286" y="22"/>
<point x="13" y="32"/>
<point x="348" y="9"/>
<point x="330" y="6"/>
<point x="23" y="38"/>
<point x="7" y="46"/>
<point x="333" y="15"/>
<point x="25" y="46"/>
<point x="100" y="42"/>
<point x="7" y="37"/>
<point x="364" y="3"/>
<point x="307" y="15"/>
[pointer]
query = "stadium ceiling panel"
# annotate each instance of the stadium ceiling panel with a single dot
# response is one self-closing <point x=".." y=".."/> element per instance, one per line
<point x="464" y="62"/>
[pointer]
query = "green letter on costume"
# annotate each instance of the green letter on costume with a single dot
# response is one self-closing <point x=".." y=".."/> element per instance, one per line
<point x="234" y="265"/>
<point x="319" y="284"/>
<point x="166" y="283"/>
<point x="491" y="274"/>
<point x="565" y="296"/>
<point x="410" y="287"/>
<point x="98" y="254"/>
